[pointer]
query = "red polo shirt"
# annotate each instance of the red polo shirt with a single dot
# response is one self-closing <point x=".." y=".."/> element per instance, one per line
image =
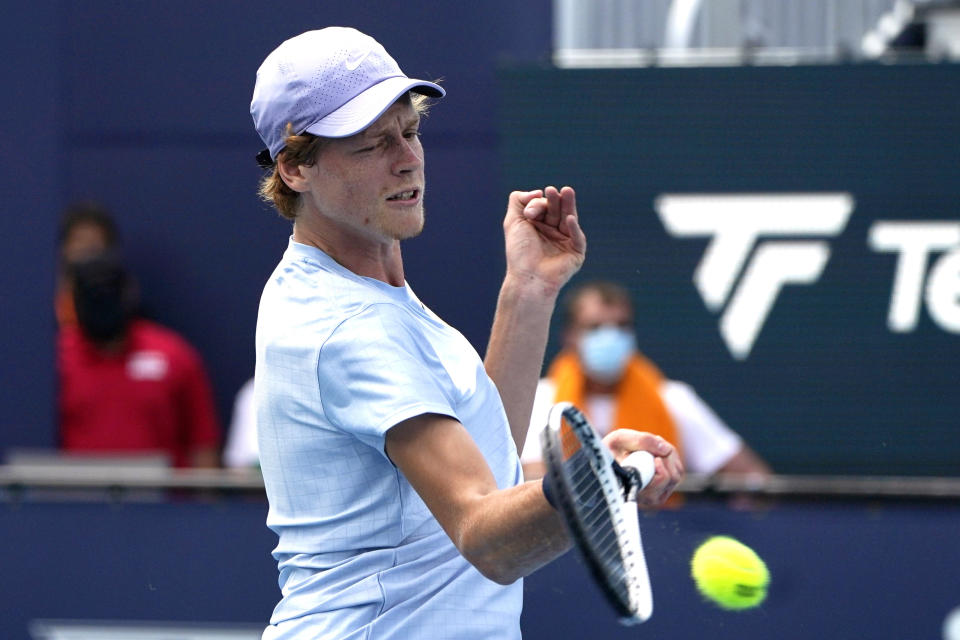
<point x="154" y="396"/>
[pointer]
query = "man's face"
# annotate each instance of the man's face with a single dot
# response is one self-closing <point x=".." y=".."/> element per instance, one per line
<point x="371" y="184"/>
<point x="602" y="335"/>
<point x="85" y="240"/>
<point x="592" y="312"/>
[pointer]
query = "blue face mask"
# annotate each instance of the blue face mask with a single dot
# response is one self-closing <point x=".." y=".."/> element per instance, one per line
<point x="604" y="352"/>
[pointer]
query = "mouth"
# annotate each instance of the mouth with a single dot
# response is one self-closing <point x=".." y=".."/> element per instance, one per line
<point x="410" y="195"/>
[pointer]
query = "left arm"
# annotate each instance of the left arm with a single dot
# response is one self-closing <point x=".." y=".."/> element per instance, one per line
<point x="545" y="247"/>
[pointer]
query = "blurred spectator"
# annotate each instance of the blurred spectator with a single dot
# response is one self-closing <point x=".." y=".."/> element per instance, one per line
<point x="86" y="230"/>
<point x="242" y="449"/>
<point x="601" y="371"/>
<point x="126" y="384"/>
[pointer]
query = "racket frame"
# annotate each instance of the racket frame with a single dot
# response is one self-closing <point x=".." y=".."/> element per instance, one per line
<point x="620" y="500"/>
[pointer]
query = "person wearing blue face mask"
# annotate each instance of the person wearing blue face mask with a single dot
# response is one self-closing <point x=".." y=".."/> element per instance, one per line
<point x="600" y="370"/>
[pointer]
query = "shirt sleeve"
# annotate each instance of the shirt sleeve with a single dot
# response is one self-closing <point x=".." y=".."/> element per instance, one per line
<point x="708" y="443"/>
<point x="377" y="370"/>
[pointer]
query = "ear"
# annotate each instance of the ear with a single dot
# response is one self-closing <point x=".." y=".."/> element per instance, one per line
<point x="295" y="176"/>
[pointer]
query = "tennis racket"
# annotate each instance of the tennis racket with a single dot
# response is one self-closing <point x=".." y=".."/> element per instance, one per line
<point x="598" y="499"/>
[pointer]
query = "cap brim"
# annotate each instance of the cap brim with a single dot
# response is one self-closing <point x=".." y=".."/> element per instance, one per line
<point x="363" y="110"/>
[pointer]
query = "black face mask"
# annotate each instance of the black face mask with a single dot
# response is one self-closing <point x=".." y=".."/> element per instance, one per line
<point x="103" y="297"/>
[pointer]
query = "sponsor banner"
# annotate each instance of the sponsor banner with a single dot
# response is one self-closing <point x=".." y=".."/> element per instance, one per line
<point x="791" y="236"/>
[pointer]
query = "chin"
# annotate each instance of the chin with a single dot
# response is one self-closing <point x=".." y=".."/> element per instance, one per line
<point x="410" y="228"/>
<point x="407" y="235"/>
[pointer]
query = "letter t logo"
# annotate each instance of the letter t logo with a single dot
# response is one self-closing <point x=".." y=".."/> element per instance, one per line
<point x="735" y="222"/>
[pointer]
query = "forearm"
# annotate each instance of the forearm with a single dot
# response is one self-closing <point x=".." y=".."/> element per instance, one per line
<point x="517" y="344"/>
<point x="511" y="533"/>
<point x="504" y="533"/>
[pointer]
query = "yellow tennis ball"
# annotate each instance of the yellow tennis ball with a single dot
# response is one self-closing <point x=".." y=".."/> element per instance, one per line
<point x="729" y="573"/>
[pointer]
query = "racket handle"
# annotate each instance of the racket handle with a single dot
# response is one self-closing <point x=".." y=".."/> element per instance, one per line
<point x="642" y="461"/>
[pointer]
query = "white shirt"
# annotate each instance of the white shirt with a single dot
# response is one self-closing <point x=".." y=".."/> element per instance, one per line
<point x="241" y="449"/>
<point x="340" y="360"/>
<point x="706" y="441"/>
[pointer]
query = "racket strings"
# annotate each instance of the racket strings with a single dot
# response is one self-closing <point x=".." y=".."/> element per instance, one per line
<point x="598" y="525"/>
<point x="593" y="496"/>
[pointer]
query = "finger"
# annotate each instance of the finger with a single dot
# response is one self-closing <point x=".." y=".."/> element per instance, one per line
<point x="535" y="209"/>
<point x="523" y="197"/>
<point x="623" y="442"/>
<point x="568" y="202"/>
<point x="674" y="466"/>
<point x="550" y="233"/>
<point x="672" y="475"/>
<point x="663" y="483"/>
<point x="570" y="227"/>
<point x="553" y="216"/>
<point x="519" y="200"/>
<point x="657" y="491"/>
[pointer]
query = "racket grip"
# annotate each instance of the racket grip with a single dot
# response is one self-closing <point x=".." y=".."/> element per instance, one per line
<point x="642" y="461"/>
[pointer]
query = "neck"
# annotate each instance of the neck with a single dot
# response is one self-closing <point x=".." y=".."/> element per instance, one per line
<point x="112" y="347"/>
<point x="380" y="260"/>
<point x="593" y="387"/>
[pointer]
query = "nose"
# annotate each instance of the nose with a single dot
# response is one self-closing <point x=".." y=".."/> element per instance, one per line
<point x="409" y="155"/>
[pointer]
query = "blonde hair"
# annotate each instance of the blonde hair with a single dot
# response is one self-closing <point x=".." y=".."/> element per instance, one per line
<point x="303" y="149"/>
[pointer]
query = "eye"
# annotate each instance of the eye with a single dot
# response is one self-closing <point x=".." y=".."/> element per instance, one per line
<point x="409" y="135"/>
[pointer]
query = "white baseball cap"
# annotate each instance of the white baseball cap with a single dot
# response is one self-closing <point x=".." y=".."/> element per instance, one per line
<point x="332" y="82"/>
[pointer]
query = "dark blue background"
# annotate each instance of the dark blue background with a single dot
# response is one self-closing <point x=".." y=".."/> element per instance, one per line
<point x="844" y="571"/>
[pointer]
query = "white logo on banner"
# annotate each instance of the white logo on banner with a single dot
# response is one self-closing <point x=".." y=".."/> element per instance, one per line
<point x="915" y="241"/>
<point x="737" y="224"/>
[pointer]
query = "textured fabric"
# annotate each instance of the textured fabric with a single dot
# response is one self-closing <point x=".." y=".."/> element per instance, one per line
<point x="638" y="402"/>
<point x="340" y="360"/>
<point x="152" y="397"/>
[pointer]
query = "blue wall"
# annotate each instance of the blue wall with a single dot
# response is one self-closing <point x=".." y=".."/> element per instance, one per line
<point x="843" y="571"/>
<point x="145" y="107"/>
<point x="30" y="188"/>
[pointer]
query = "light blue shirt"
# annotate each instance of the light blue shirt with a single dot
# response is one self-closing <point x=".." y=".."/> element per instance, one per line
<point x="340" y="360"/>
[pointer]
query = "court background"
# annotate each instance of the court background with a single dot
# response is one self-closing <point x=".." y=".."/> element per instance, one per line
<point x="144" y="106"/>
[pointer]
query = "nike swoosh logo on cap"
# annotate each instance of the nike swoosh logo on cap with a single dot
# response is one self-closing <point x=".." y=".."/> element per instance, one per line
<point x="355" y="58"/>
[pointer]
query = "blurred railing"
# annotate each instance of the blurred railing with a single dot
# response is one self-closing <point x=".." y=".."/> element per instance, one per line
<point x="38" y="482"/>
<point x="19" y="478"/>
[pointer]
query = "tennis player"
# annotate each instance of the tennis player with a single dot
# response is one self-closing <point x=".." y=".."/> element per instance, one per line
<point x="388" y="448"/>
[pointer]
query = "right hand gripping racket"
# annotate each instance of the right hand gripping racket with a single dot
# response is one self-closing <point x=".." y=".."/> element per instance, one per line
<point x="598" y="499"/>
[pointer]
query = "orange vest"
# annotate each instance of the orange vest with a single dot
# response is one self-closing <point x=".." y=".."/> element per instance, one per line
<point x="639" y="405"/>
